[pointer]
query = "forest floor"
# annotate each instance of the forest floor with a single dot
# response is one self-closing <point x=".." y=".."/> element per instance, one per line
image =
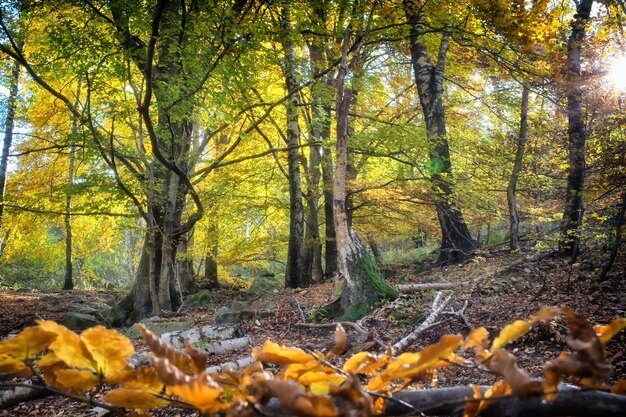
<point x="494" y="302"/>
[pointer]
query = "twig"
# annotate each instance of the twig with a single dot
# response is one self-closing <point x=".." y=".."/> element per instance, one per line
<point x="460" y="314"/>
<point x="302" y="316"/>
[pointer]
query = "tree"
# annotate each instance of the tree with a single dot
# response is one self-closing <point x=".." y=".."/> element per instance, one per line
<point x="517" y="167"/>
<point x="456" y="240"/>
<point x="573" y="212"/>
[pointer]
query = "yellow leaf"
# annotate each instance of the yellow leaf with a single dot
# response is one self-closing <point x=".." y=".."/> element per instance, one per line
<point x="619" y="387"/>
<point x="294" y="370"/>
<point x="68" y="347"/>
<point x="316" y="376"/>
<point x="11" y="365"/>
<point x="145" y="378"/>
<point x="74" y="380"/>
<point x="200" y="392"/>
<point x="108" y="348"/>
<point x="511" y="332"/>
<point x="274" y="353"/>
<point x="606" y="332"/>
<point x="135" y="399"/>
<point x="27" y="343"/>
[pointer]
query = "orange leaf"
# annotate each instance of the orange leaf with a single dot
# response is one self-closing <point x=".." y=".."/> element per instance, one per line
<point x="606" y="332"/>
<point x="619" y="387"/>
<point x="358" y="361"/>
<point x="297" y="402"/>
<point x="74" y="380"/>
<point x="410" y="366"/>
<point x="108" y="348"/>
<point x="511" y="332"/>
<point x="27" y="343"/>
<point x="523" y="385"/>
<point x="182" y="360"/>
<point x="546" y="314"/>
<point x="471" y="406"/>
<point x="132" y="398"/>
<point x="68" y="347"/>
<point x="274" y="353"/>
<point x="340" y="341"/>
<point x="476" y="338"/>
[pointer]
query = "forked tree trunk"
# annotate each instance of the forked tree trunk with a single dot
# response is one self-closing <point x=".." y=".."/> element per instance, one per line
<point x="363" y="284"/>
<point x="573" y="213"/>
<point x="456" y="241"/>
<point x="294" y="276"/>
<point x="9" y="124"/>
<point x="517" y="168"/>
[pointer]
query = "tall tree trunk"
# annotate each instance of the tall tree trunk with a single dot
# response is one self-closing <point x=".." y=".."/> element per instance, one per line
<point x="210" y="259"/>
<point x="68" y="282"/>
<point x="517" y="168"/>
<point x="9" y="124"/>
<point x="363" y="284"/>
<point x="619" y="221"/>
<point x="294" y="276"/>
<point x="573" y="212"/>
<point x="456" y="240"/>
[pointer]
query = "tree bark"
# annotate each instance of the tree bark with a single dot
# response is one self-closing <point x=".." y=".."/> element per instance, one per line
<point x="573" y="212"/>
<point x="456" y="241"/>
<point x="210" y="259"/>
<point x="619" y="221"/>
<point x="517" y="168"/>
<point x="68" y="282"/>
<point x="9" y="124"/>
<point x="294" y="276"/>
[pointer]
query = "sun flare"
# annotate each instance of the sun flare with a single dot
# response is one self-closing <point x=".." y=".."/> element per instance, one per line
<point x="617" y="73"/>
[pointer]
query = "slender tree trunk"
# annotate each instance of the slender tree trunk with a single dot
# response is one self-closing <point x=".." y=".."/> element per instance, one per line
<point x="210" y="259"/>
<point x="619" y="221"/>
<point x="9" y="124"/>
<point x="456" y="240"/>
<point x="517" y="168"/>
<point x="294" y="275"/>
<point x="573" y="212"/>
<point x="68" y="283"/>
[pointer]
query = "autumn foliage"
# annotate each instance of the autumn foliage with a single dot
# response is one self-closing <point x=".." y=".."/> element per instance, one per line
<point x="308" y="383"/>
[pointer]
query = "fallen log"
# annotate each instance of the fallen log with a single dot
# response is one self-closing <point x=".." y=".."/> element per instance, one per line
<point x="233" y="366"/>
<point x="410" y="288"/>
<point x="209" y="333"/>
<point x="13" y="395"/>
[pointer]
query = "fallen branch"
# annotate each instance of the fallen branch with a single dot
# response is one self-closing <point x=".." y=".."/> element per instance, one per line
<point x="177" y="339"/>
<point x="233" y="366"/>
<point x="436" y="309"/>
<point x="10" y="396"/>
<point x="451" y="402"/>
<point x="334" y="324"/>
<point x="409" y="288"/>
<point x="224" y="346"/>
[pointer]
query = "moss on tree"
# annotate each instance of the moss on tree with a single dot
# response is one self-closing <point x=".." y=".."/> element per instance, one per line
<point x="374" y="279"/>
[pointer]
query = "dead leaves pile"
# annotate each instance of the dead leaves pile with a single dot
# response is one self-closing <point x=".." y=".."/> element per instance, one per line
<point x="309" y="384"/>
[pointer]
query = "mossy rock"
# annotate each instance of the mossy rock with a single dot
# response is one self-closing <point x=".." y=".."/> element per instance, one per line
<point x="267" y="283"/>
<point x="199" y="299"/>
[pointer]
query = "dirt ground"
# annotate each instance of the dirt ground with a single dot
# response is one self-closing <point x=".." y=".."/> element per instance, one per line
<point x="514" y="294"/>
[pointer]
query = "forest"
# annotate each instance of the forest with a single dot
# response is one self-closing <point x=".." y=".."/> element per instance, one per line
<point x="407" y="180"/>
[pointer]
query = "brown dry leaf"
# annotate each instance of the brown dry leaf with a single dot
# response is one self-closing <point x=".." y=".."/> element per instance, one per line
<point x="199" y="358"/>
<point x="74" y="380"/>
<point x="619" y="387"/>
<point x="340" y="341"/>
<point x="412" y="366"/>
<point x="68" y="346"/>
<point x="297" y="402"/>
<point x="546" y="314"/>
<point x="280" y="355"/>
<point x="352" y="391"/>
<point x="134" y="399"/>
<point x="180" y="359"/>
<point x="606" y="332"/>
<point x="109" y="349"/>
<point x="511" y="332"/>
<point x="145" y="378"/>
<point x="28" y="343"/>
<point x="522" y="384"/>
